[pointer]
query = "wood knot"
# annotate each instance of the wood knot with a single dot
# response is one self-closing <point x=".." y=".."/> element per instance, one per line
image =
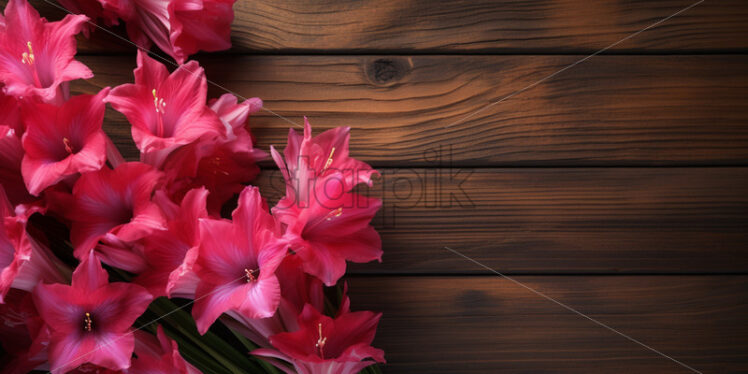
<point x="387" y="71"/>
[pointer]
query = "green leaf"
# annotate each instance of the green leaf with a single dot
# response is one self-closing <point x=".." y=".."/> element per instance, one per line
<point x="182" y="322"/>
<point x="252" y="346"/>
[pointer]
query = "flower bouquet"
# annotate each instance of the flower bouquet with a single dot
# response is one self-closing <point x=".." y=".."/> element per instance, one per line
<point x="154" y="265"/>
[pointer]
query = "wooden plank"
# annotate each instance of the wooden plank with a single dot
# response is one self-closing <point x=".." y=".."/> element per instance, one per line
<point x="485" y="26"/>
<point x="488" y="324"/>
<point x="568" y="220"/>
<point x="610" y="110"/>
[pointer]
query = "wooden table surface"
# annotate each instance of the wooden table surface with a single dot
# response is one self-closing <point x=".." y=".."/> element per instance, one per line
<point x="618" y="187"/>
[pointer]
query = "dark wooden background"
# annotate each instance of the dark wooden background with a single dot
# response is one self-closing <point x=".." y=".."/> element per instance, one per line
<point x="618" y="187"/>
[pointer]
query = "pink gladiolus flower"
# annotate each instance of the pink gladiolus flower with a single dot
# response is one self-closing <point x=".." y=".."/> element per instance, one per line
<point x="10" y="114"/>
<point x="222" y="164"/>
<point x="329" y="227"/>
<point x="36" y="57"/>
<point x="180" y="28"/>
<point x="158" y="355"/>
<point x="61" y="142"/>
<point x="115" y="207"/>
<point x="233" y="115"/>
<point x="297" y="290"/>
<point x="11" y="150"/>
<point x="94" y="10"/>
<point x="90" y="320"/>
<point x="325" y="223"/>
<point x="171" y="254"/>
<point x="11" y="155"/>
<point x="23" y="261"/>
<point x="325" y="345"/>
<point x="166" y="111"/>
<point x="23" y="334"/>
<point x="309" y="158"/>
<point x="237" y="262"/>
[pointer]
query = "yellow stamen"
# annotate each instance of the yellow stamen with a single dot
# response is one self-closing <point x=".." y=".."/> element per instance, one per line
<point x="329" y="159"/>
<point x="251" y="275"/>
<point x="89" y="323"/>
<point x="335" y="213"/>
<point x="28" y="57"/>
<point x="321" y="341"/>
<point x="159" y="103"/>
<point x="68" y="146"/>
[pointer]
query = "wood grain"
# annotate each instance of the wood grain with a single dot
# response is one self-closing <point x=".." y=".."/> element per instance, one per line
<point x="610" y="110"/>
<point x="551" y="220"/>
<point x="491" y="325"/>
<point x="485" y="26"/>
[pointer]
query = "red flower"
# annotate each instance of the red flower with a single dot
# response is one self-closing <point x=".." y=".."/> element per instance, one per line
<point x="158" y="355"/>
<point x="36" y="57"/>
<point x="94" y="10"/>
<point x="233" y="115"/>
<point x="115" y="207"/>
<point x="63" y="141"/>
<point x="222" y="164"/>
<point x="90" y="320"/>
<point x="10" y="114"/>
<point x="23" y="334"/>
<point x="237" y="262"/>
<point x="181" y="28"/>
<point x="325" y="345"/>
<point x="325" y="223"/>
<point x="23" y="261"/>
<point x="308" y="158"/>
<point x="165" y="110"/>
<point x="171" y="254"/>
<point x="329" y="226"/>
<point x="297" y="290"/>
<point x="11" y="154"/>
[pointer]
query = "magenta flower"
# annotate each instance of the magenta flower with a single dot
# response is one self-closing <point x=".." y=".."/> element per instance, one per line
<point x="115" y="207"/>
<point x="237" y="262"/>
<point x="233" y="115"/>
<point x="297" y="290"/>
<point x="325" y="224"/>
<point x="95" y="10"/>
<point x="23" y="261"/>
<point x="325" y="345"/>
<point x="223" y="164"/>
<point x="180" y="28"/>
<point x="309" y="158"/>
<point x="61" y="142"/>
<point x="23" y="334"/>
<point x="90" y="320"/>
<point x="171" y="254"/>
<point x="36" y="57"/>
<point x="165" y="110"/>
<point x="10" y="114"/>
<point x="11" y="155"/>
<point x="158" y="355"/>
<point x="329" y="226"/>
